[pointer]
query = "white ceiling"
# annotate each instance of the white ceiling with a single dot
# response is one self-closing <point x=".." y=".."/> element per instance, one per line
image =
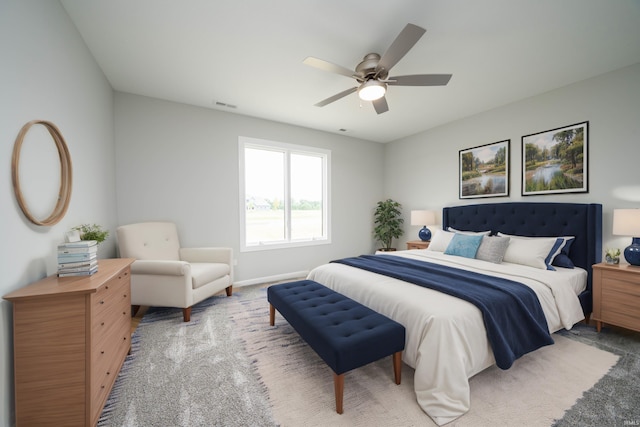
<point x="249" y="53"/>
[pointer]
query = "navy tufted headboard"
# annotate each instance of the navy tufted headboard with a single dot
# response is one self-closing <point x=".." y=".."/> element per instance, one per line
<point x="582" y="220"/>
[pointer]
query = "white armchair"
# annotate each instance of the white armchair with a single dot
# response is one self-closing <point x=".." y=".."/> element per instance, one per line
<point x="166" y="275"/>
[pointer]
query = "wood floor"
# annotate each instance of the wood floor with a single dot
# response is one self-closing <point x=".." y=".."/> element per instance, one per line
<point x="135" y="320"/>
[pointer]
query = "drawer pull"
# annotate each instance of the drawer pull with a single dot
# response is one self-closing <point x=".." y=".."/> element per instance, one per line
<point x="102" y="324"/>
<point x="102" y="352"/>
<point x="101" y="302"/>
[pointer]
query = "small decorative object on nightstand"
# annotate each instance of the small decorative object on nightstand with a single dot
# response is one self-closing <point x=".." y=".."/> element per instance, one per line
<point x="417" y="244"/>
<point x="626" y="222"/>
<point x="612" y="256"/>
<point x="423" y="218"/>
<point x="616" y="295"/>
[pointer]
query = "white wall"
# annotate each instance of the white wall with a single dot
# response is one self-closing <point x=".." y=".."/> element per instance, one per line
<point x="422" y="170"/>
<point x="47" y="73"/>
<point x="180" y="163"/>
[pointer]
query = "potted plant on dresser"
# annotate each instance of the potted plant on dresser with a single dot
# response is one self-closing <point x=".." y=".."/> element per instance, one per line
<point x="388" y="223"/>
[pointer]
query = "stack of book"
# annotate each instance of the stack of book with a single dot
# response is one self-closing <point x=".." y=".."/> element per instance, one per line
<point x="78" y="258"/>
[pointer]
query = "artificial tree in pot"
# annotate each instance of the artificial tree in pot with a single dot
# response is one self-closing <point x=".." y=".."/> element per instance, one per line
<point x="388" y="223"/>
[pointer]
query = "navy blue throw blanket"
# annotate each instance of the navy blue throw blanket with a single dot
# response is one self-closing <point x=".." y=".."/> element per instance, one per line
<point x="513" y="316"/>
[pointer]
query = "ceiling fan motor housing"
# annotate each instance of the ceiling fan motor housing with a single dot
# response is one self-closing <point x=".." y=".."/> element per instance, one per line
<point x="367" y="68"/>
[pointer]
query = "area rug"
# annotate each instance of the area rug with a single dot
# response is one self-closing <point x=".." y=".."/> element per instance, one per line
<point x="537" y="390"/>
<point x="228" y="367"/>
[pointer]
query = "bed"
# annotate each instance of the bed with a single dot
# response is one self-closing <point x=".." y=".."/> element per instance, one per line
<point x="447" y="339"/>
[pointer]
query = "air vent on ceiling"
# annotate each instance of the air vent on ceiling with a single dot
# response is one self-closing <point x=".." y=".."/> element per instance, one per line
<point x="224" y="104"/>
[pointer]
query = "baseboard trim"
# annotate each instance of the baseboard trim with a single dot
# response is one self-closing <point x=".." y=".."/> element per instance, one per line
<point x="269" y="279"/>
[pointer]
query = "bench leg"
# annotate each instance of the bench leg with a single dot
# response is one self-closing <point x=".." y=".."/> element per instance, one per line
<point x="338" y="385"/>
<point x="397" y="366"/>
<point x="272" y="315"/>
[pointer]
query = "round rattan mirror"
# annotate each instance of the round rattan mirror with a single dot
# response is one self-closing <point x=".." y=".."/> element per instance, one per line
<point x="63" y="192"/>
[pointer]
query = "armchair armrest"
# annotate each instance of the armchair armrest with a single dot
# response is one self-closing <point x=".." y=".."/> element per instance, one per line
<point x="218" y="255"/>
<point x="161" y="267"/>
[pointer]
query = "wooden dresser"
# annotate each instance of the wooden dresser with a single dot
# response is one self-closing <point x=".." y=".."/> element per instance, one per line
<point x="70" y="337"/>
<point x="616" y="295"/>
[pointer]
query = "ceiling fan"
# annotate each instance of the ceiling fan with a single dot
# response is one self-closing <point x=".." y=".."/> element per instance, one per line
<point x="373" y="72"/>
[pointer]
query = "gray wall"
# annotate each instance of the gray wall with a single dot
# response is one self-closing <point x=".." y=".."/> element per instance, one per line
<point x="422" y="170"/>
<point x="180" y="163"/>
<point x="48" y="73"/>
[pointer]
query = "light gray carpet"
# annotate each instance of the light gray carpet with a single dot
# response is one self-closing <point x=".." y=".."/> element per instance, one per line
<point x="157" y="387"/>
<point x="188" y="374"/>
<point x="615" y="399"/>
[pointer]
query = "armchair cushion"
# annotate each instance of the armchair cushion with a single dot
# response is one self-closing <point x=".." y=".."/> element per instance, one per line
<point x="203" y="273"/>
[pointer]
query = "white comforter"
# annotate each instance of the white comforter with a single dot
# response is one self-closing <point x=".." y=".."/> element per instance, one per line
<point x="446" y="339"/>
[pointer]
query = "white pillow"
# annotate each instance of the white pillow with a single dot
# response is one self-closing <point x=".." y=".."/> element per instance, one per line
<point x="470" y="233"/>
<point x="555" y="250"/>
<point x="531" y="251"/>
<point x="440" y="240"/>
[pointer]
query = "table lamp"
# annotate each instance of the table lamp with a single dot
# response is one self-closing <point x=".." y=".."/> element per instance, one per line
<point x="626" y="222"/>
<point x="423" y="218"/>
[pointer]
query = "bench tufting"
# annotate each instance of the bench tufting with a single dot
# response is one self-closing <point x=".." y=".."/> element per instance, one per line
<point x="343" y="332"/>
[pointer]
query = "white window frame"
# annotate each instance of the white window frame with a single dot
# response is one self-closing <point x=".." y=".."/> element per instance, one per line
<point x="288" y="149"/>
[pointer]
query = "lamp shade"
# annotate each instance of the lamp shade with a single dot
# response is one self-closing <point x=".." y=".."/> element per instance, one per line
<point x="626" y="222"/>
<point x="423" y="218"/>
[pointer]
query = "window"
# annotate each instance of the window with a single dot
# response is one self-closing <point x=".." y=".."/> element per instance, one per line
<point x="284" y="195"/>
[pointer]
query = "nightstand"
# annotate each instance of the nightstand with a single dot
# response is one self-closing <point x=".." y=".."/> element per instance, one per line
<point x="616" y="295"/>
<point x="417" y="244"/>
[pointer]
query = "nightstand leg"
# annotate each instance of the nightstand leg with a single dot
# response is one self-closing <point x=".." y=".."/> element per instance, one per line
<point x="598" y="325"/>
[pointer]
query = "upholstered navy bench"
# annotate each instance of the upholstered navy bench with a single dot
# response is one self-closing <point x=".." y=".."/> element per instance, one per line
<point x="344" y="333"/>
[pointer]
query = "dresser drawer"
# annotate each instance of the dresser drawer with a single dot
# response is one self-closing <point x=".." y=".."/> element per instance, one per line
<point x="110" y="330"/>
<point x="106" y="364"/>
<point x="113" y="293"/>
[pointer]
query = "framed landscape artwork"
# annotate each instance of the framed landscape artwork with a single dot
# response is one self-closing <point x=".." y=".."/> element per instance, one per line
<point x="555" y="161"/>
<point x="484" y="170"/>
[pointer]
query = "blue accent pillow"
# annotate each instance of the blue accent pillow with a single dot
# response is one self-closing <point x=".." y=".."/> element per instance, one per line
<point x="464" y="245"/>
<point x="552" y="253"/>
<point x="562" y="259"/>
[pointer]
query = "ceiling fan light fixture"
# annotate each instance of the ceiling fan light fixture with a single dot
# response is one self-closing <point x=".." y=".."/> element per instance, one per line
<point x="372" y="90"/>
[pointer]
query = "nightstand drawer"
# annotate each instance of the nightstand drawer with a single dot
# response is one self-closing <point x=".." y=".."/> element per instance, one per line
<point x="417" y="244"/>
<point x="616" y="296"/>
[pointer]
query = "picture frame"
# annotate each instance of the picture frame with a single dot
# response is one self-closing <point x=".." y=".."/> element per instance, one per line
<point x="556" y="161"/>
<point x="484" y="170"/>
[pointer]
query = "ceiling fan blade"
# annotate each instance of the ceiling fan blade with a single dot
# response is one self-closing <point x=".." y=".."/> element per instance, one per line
<point x="420" y="80"/>
<point x="407" y="38"/>
<point x="336" y="97"/>
<point x="328" y="66"/>
<point x="381" y="105"/>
